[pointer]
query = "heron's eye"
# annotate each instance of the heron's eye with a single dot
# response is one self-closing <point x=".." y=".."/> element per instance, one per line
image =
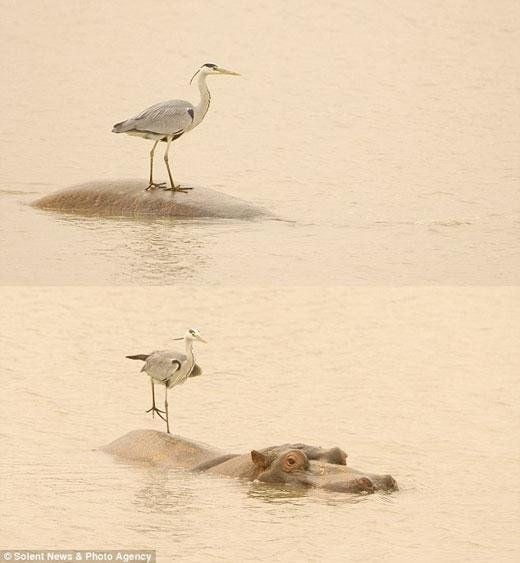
<point x="291" y="461"/>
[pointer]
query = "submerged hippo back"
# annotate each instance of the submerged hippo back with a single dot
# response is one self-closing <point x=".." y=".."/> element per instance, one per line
<point x="162" y="449"/>
<point x="129" y="198"/>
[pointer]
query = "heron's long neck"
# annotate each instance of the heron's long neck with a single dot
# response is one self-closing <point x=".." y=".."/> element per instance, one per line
<point x="205" y="99"/>
<point x="189" y="350"/>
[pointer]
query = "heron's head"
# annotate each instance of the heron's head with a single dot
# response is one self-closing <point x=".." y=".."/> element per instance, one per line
<point x="211" y="68"/>
<point x="192" y="334"/>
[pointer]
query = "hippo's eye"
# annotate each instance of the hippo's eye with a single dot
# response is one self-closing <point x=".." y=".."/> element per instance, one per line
<point x="291" y="462"/>
<point x="294" y="460"/>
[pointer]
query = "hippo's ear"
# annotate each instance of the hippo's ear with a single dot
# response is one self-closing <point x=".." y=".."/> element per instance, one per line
<point x="260" y="460"/>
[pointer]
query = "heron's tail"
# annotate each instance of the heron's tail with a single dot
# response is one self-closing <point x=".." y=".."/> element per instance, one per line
<point x="123" y="126"/>
<point x="142" y="357"/>
<point x="197" y="370"/>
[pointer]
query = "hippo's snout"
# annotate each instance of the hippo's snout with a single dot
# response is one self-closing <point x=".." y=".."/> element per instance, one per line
<point x="358" y="485"/>
<point x="388" y="483"/>
<point x="362" y="485"/>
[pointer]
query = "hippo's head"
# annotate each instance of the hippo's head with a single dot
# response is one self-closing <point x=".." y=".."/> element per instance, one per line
<point x="289" y="466"/>
<point x="292" y="466"/>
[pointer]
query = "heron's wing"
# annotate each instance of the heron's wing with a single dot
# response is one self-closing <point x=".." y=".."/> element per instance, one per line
<point x="162" y="365"/>
<point x="168" y="118"/>
<point x="180" y="356"/>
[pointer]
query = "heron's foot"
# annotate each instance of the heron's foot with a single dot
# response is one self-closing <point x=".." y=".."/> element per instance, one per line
<point x="177" y="189"/>
<point x="154" y="186"/>
<point x="155" y="409"/>
<point x="159" y="412"/>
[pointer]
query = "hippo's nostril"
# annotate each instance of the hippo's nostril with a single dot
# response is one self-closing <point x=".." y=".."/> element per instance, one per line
<point x="365" y="485"/>
<point x="390" y="483"/>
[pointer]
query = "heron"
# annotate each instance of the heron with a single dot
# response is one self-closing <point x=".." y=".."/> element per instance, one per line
<point x="170" y="368"/>
<point x="167" y="121"/>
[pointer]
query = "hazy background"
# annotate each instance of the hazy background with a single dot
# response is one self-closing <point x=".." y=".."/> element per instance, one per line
<point x="387" y="131"/>
<point x="420" y="383"/>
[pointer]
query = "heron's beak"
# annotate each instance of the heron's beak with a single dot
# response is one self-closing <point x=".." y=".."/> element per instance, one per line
<point x="181" y="338"/>
<point x="202" y="339"/>
<point x="225" y="71"/>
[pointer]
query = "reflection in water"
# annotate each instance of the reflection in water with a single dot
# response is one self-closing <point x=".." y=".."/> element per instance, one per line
<point x="142" y="250"/>
<point x="274" y="494"/>
<point x="330" y="498"/>
<point x="281" y="494"/>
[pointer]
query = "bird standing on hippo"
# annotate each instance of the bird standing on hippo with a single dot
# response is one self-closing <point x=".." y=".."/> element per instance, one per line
<point x="167" y="121"/>
<point x="170" y="368"/>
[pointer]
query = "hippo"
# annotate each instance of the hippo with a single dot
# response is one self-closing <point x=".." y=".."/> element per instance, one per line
<point x="127" y="198"/>
<point x="288" y="464"/>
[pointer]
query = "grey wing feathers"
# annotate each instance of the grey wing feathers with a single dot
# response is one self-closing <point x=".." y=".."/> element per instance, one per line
<point x="167" y="365"/>
<point x="166" y="118"/>
<point x="162" y="365"/>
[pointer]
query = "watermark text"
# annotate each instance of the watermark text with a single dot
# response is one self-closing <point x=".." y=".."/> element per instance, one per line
<point x="117" y="555"/>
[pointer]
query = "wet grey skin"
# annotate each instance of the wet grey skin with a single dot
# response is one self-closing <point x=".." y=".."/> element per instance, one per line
<point x="297" y="465"/>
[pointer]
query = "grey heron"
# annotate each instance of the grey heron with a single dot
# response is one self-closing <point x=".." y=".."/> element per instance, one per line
<point x="170" y="368"/>
<point x="167" y="121"/>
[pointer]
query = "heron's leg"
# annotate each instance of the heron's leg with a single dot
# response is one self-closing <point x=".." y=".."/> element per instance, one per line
<point x="151" y="164"/>
<point x="172" y="183"/>
<point x="154" y="409"/>
<point x="173" y="187"/>
<point x="166" y="408"/>
<point x="151" y="183"/>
